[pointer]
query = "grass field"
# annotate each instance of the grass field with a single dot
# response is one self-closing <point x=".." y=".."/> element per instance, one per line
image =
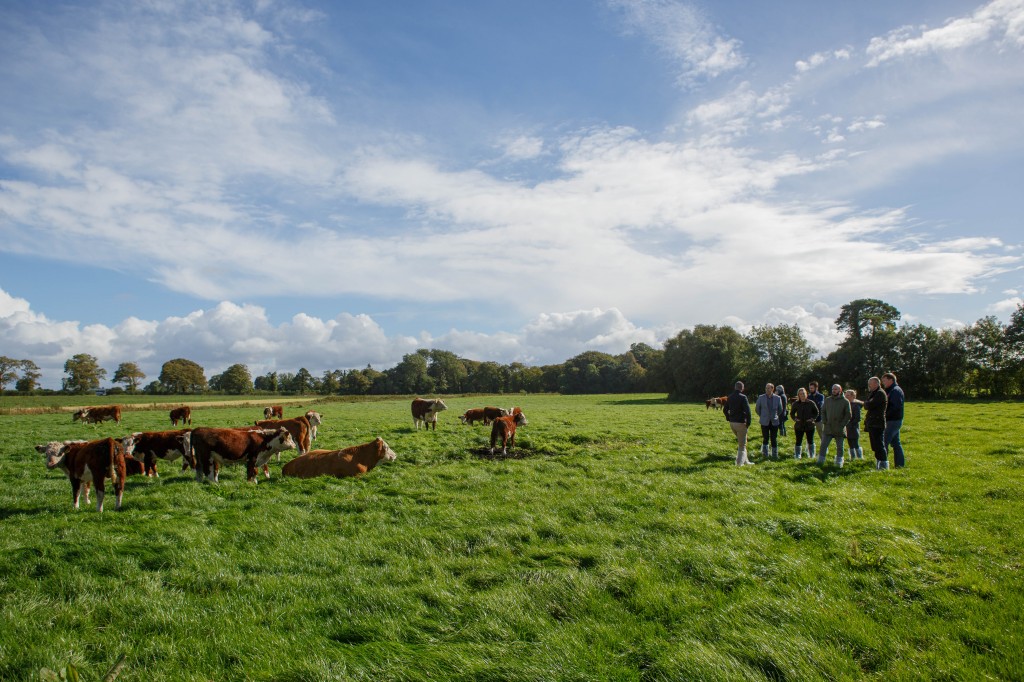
<point x="617" y="542"/>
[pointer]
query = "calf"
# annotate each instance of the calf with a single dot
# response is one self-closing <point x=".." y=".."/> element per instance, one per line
<point x="165" y="445"/>
<point x="314" y="420"/>
<point x="273" y="411"/>
<point x="351" y="461"/>
<point x="473" y="415"/>
<point x="426" y="411"/>
<point x="85" y="462"/>
<point x="214" y="447"/>
<point x="297" y="426"/>
<point x="182" y="414"/>
<point x="95" y="415"/>
<point x="505" y="428"/>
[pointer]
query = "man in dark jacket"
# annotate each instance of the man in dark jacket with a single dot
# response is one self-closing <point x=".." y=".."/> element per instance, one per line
<point x="818" y="398"/>
<point x="893" y="419"/>
<point x="874" y="421"/>
<point x="737" y="413"/>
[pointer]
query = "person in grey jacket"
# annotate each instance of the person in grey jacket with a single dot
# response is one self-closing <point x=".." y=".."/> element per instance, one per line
<point x="835" y="415"/>
<point x="769" y="411"/>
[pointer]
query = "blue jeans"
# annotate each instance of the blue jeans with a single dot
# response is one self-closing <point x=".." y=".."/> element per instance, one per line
<point x="892" y="437"/>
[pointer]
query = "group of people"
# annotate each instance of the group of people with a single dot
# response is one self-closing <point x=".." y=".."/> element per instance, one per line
<point x="835" y="417"/>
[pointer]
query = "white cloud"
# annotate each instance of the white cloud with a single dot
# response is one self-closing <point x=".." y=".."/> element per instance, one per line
<point x="819" y="58"/>
<point x="1006" y="307"/>
<point x="523" y="147"/>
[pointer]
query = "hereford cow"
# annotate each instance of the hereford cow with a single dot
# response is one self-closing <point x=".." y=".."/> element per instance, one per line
<point x="166" y="445"/>
<point x="273" y="411"/>
<point x="492" y="413"/>
<point x="213" y="447"/>
<point x="297" y="426"/>
<point x="315" y="420"/>
<point x="85" y="462"/>
<point x="351" y="461"/>
<point x="426" y="411"/>
<point x="182" y="414"/>
<point x="474" y="415"/>
<point x="505" y="428"/>
<point x="95" y="415"/>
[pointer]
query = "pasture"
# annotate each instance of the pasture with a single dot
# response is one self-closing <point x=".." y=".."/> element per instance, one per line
<point x="617" y="541"/>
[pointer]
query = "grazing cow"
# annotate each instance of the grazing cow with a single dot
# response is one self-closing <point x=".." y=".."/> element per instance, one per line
<point x="351" y="461"/>
<point x="166" y="445"/>
<point x="297" y="426"/>
<point x="505" y="428"/>
<point x="213" y="447"/>
<point x="133" y="467"/>
<point x="182" y="414"/>
<point x="473" y="415"/>
<point x="426" y="411"/>
<point x="95" y="415"/>
<point x="315" y="420"/>
<point x="85" y="462"/>
<point x="492" y="413"/>
<point x="273" y="411"/>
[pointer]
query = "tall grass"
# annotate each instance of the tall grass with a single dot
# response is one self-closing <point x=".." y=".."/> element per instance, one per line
<point x="617" y="541"/>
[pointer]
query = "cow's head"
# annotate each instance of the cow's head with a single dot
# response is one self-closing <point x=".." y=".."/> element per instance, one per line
<point x="385" y="452"/>
<point x="128" y="443"/>
<point x="80" y="415"/>
<point x="53" y="453"/>
<point x="279" y="439"/>
<point x="314" y="418"/>
<point x="521" y="419"/>
<point x="439" y="405"/>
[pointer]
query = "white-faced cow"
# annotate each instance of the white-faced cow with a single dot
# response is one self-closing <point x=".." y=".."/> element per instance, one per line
<point x="182" y="414"/>
<point x="297" y="426"/>
<point x="166" y="445"/>
<point x="426" y="411"/>
<point x="95" y="415"/>
<point x="85" y="462"/>
<point x="315" y="420"/>
<point x="505" y="429"/>
<point x="350" y="461"/>
<point x="272" y="412"/>
<point x="215" y="447"/>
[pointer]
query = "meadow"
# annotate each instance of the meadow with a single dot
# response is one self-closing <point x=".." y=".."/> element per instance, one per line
<point x="617" y="541"/>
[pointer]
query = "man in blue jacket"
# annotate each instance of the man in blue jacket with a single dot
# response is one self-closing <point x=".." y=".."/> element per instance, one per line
<point x="737" y="412"/>
<point x="893" y="419"/>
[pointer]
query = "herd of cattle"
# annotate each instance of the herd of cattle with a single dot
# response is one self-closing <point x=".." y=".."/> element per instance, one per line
<point x="206" y="449"/>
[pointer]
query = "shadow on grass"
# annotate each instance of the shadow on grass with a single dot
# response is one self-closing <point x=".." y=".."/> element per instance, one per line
<point x="513" y="453"/>
<point x="639" y="401"/>
<point x="808" y="471"/>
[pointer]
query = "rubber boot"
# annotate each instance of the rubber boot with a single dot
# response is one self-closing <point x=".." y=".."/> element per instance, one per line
<point x="810" y="449"/>
<point x="885" y="465"/>
<point x="764" y="450"/>
<point x="775" y="453"/>
<point x="822" y="454"/>
<point x="796" y="452"/>
<point x="860" y="453"/>
<point x="839" y="459"/>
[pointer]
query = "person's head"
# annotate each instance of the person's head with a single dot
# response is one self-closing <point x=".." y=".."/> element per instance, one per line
<point x="801" y="394"/>
<point x="739" y="386"/>
<point x="888" y="379"/>
<point x="779" y="388"/>
<point x="836" y="390"/>
<point x="850" y="394"/>
<point x="812" y="387"/>
<point x="873" y="384"/>
<point x="769" y="389"/>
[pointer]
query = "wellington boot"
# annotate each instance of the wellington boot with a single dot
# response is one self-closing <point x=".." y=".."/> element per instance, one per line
<point x="796" y="452"/>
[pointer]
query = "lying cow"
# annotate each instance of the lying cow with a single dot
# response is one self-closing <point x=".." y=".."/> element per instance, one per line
<point x="166" y="445"/>
<point x="274" y="411"/>
<point x="474" y="415"/>
<point x="350" y="461"/>
<point x="505" y="428"/>
<point x="297" y="426"/>
<point x="315" y="420"/>
<point x="85" y="462"/>
<point x="95" y="415"/>
<point x="426" y="411"/>
<point x="215" y="447"/>
<point x="182" y="414"/>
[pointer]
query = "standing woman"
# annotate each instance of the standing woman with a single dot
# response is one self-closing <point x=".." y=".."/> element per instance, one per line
<point x="780" y="391"/>
<point x="804" y="413"/>
<point x="769" y="410"/>
<point x="874" y="421"/>
<point x="853" y="428"/>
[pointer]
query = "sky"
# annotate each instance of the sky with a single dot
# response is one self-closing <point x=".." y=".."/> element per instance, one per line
<point x="331" y="185"/>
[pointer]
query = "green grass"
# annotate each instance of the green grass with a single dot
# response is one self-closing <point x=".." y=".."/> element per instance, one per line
<point x="617" y="542"/>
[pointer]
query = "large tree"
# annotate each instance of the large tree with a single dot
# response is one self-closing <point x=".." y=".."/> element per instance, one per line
<point x="8" y="370"/>
<point x="989" y="357"/>
<point x="870" y="326"/>
<point x="779" y="354"/>
<point x="83" y="374"/>
<point x="30" y="374"/>
<point x="182" y="376"/>
<point x="129" y="374"/>
<point x="705" y="361"/>
<point x="236" y="379"/>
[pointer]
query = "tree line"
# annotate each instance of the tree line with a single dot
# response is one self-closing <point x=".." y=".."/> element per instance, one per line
<point x="985" y="359"/>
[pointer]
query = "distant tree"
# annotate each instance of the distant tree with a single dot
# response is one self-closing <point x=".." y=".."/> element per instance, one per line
<point x="330" y="382"/>
<point x="235" y="380"/>
<point x="267" y="382"/>
<point x="154" y="388"/>
<point x="129" y="374"/>
<point x="303" y="382"/>
<point x="989" y="358"/>
<point x="488" y="377"/>
<point x="29" y="380"/>
<point x="8" y="370"/>
<point x="359" y="382"/>
<point x="447" y="370"/>
<point x="704" y="361"/>
<point x="182" y="376"/>
<point x="1015" y="346"/>
<point x="83" y="374"/>
<point x="779" y="354"/>
<point x="870" y="325"/>
<point x="410" y="375"/>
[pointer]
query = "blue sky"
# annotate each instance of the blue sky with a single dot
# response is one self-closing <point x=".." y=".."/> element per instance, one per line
<point x="327" y="185"/>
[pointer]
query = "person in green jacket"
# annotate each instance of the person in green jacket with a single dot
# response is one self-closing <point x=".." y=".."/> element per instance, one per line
<point x="835" y="415"/>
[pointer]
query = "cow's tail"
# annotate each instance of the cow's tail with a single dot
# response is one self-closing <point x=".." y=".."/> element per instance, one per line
<point x="111" y="469"/>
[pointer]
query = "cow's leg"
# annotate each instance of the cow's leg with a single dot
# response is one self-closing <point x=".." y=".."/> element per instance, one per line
<point x="99" y="493"/>
<point x="266" y="469"/>
<point x="76" y="491"/>
<point x="251" y="470"/>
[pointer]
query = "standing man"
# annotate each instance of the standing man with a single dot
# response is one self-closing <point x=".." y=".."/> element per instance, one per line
<point x="737" y="413"/>
<point x="893" y="419"/>
<point x="874" y="421"/>
<point x="836" y="415"/>
<point x="769" y="410"/>
<point x="818" y="399"/>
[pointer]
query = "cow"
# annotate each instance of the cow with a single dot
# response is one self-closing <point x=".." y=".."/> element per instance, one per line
<point x="315" y="420"/>
<point x="297" y="426"/>
<point x="95" y="415"/>
<point x="166" y="445"/>
<point x="213" y="447"/>
<point x="715" y="403"/>
<point x="350" y="461"/>
<point x="473" y="415"/>
<point x="425" y="410"/>
<point x="505" y="429"/>
<point x="85" y="462"/>
<point x="273" y="411"/>
<point x="492" y="413"/>
<point x="182" y="414"/>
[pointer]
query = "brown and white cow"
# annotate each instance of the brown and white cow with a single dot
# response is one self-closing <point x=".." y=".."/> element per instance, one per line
<point x="350" y="461"/>
<point x="425" y="410"/>
<point x="474" y="415"/>
<point x="297" y="426"/>
<point x="315" y="420"/>
<point x="505" y="429"/>
<point x="182" y="414"/>
<point x="213" y="448"/>
<point x="492" y="413"/>
<point x="95" y="415"/>
<point x="85" y="462"/>
<point x="166" y="445"/>
<point x="273" y="411"/>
